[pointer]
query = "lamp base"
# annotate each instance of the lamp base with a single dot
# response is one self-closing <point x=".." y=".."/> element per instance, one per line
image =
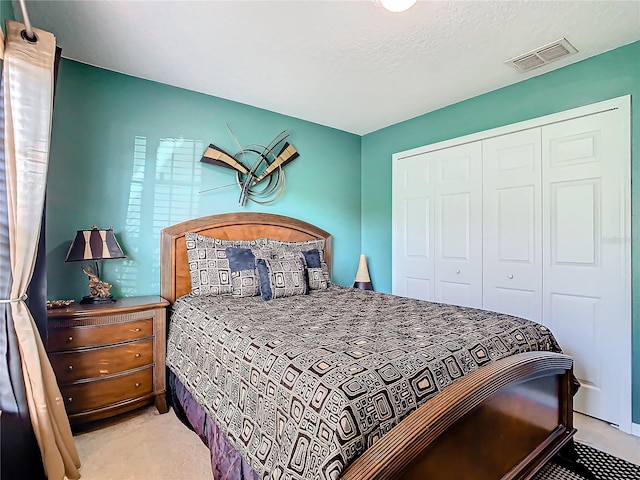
<point x="92" y="300"/>
<point x="363" y="285"/>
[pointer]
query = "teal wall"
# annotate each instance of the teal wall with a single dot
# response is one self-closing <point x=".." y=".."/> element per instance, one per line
<point x="605" y="76"/>
<point x="125" y="154"/>
<point x="6" y="12"/>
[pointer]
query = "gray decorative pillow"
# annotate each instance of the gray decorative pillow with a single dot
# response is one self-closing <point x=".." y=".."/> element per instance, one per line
<point x="208" y="263"/>
<point x="317" y="279"/>
<point x="281" y="278"/>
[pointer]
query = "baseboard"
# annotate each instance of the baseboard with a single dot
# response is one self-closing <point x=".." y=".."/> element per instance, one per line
<point x="635" y="429"/>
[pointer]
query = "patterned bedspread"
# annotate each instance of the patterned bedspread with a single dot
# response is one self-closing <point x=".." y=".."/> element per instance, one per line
<point x="303" y="385"/>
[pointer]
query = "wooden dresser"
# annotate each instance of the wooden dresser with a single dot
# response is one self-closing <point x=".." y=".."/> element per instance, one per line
<point x="109" y="358"/>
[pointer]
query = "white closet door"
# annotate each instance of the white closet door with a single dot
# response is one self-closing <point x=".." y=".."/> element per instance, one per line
<point x="412" y="237"/>
<point x="458" y="224"/>
<point x="586" y="297"/>
<point x="512" y="226"/>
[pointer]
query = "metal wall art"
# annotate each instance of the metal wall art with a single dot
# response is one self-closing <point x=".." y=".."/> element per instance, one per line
<point x="259" y="169"/>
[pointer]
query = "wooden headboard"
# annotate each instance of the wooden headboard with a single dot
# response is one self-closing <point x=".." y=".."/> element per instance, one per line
<point x="174" y="267"/>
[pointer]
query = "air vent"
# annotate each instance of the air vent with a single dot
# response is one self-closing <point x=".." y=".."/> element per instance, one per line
<point x="542" y="56"/>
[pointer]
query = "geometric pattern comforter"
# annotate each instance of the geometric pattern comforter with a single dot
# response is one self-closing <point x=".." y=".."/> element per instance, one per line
<point x="301" y="386"/>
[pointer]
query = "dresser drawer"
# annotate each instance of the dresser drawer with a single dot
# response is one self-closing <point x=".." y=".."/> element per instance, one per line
<point x="107" y="391"/>
<point x="67" y="338"/>
<point x="98" y="362"/>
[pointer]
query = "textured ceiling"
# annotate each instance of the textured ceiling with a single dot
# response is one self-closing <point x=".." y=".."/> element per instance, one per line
<point x="350" y="65"/>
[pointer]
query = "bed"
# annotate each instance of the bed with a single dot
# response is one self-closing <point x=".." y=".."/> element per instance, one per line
<point x="504" y="419"/>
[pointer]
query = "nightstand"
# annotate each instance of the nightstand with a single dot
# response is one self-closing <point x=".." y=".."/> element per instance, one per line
<point x="109" y="358"/>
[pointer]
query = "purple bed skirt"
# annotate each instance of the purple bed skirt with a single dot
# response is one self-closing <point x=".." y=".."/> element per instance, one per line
<point x="226" y="462"/>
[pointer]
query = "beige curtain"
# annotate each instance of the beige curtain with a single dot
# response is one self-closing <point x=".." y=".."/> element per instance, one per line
<point x="28" y="74"/>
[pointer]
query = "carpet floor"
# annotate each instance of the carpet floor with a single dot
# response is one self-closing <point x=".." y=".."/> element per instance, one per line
<point x="601" y="464"/>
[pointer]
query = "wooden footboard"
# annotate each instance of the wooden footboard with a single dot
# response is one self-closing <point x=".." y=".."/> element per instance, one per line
<point x="503" y="421"/>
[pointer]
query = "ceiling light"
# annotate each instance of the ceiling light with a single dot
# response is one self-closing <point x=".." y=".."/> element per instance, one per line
<point x="397" y="6"/>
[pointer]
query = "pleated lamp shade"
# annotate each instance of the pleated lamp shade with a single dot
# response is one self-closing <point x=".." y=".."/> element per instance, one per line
<point x="363" y="281"/>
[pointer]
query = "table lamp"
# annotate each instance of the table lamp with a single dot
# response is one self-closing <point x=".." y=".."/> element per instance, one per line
<point x="363" y="281"/>
<point x="95" y="244"/>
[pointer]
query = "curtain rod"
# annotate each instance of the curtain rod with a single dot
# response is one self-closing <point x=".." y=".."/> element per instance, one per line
<point x="27" y="24"/>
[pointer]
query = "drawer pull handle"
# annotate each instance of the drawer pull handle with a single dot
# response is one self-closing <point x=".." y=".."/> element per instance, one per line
<point x="137" y="384"/>
<point x="70" y="399"/>
<point x="510" y="276"/>
<point x="70" y="367"/>
<point x="70" y="339"/>
<point x="137" y="355"/>
<point x="138" y="329"/>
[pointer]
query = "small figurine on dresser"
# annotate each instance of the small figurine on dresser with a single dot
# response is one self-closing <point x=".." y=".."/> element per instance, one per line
<point x="97" y="288"/>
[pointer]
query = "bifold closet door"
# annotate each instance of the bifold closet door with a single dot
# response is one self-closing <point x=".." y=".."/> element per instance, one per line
<point x="413" y="263"/>
<point x="586" y="295"/>
<point x="512" y="225"/>
<point x="458" y="224"/>
<point x="437" y="238"/>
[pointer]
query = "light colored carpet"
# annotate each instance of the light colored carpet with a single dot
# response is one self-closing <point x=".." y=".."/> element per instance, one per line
<point x="143" y="445"/>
